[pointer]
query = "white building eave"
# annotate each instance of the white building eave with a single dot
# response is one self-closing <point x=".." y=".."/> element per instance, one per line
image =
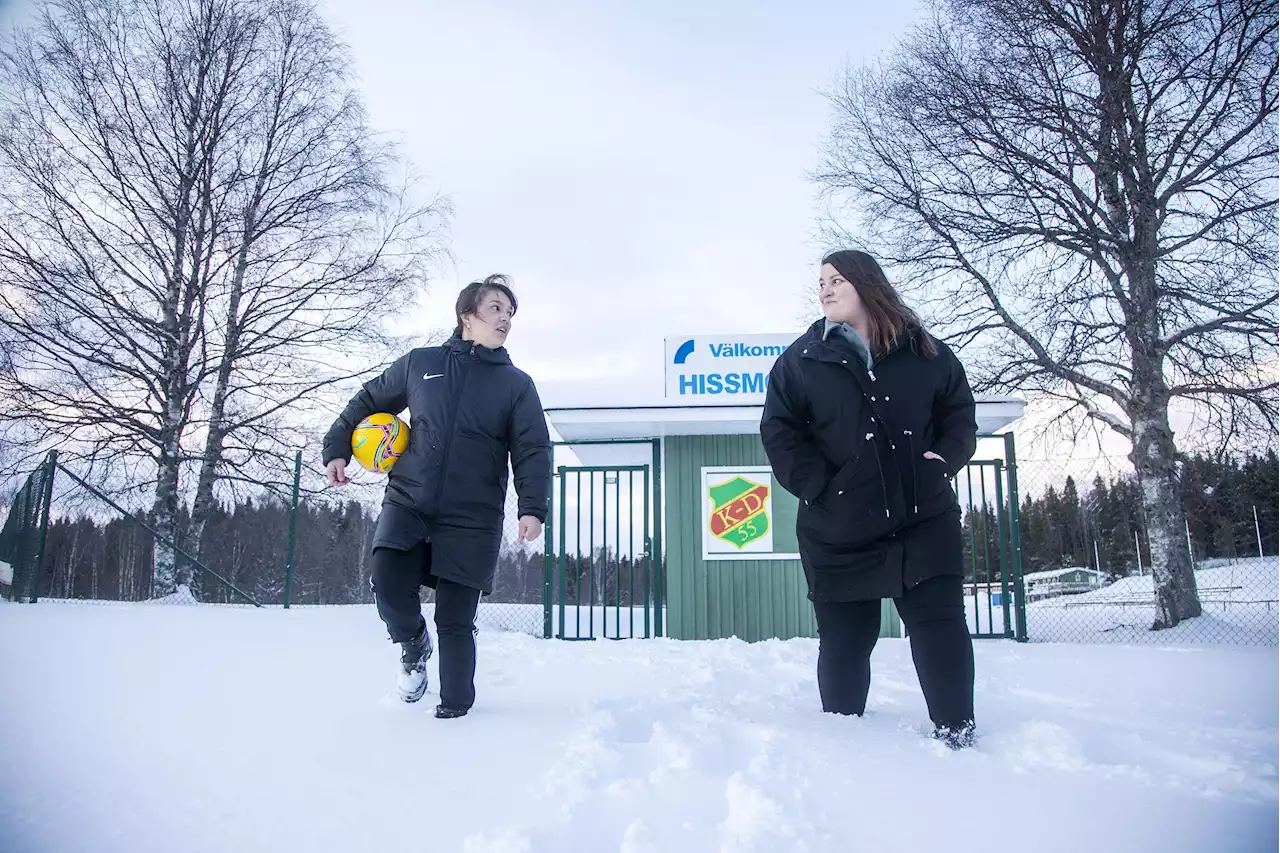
<point x="606" y="423"/>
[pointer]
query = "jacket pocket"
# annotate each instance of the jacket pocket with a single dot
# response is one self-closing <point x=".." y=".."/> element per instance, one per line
<point x="853" y="509"/>
<point x="934" y="480"/>
<point x="847" y="473"/>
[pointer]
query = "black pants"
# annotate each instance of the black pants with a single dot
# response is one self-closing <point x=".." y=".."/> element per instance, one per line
<point x="397" y="578"/>
<point x="933" y="613"/>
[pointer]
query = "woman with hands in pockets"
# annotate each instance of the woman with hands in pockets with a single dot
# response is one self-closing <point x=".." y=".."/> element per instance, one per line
<point x="867" y="417"/>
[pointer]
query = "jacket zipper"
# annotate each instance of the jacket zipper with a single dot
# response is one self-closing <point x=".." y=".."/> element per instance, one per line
<point x="915" y="480"/>
<point x="448" y="436"/>
<point x="884" y="487"/>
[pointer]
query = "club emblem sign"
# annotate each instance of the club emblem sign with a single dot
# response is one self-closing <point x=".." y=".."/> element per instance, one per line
<point x="737" y="514"/>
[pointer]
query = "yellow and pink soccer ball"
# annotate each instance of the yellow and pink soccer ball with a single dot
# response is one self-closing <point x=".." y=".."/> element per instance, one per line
<point x="378" y="441"/>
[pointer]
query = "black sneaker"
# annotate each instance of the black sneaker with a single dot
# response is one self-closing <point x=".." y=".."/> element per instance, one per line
<point x="411" y="680"/>
<point x="956" y="737"/>
<point x="443" y="713"/>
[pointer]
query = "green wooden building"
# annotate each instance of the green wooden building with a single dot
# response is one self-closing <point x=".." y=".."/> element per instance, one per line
<point x="687" y="478"/>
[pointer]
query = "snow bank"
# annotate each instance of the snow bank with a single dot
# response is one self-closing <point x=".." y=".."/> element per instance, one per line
<point x="208" y="729"/>
<point x="182" y="596"/>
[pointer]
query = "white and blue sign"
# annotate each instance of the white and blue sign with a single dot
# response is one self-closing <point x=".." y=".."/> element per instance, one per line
<point x="725" y="368"/>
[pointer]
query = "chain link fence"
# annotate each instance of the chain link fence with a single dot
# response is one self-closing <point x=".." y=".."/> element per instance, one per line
<point x="1237" y="597"/>
<point x="1086" y="556"/>
<point x="330" y="563"/>
<point x="23" y="536"/>
<point x="65" y="539"/>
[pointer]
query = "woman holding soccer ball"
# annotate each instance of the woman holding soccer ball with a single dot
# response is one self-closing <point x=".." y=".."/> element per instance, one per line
<point x="441" y="522"/>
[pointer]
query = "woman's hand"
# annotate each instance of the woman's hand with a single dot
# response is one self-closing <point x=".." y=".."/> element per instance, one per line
<point x="337" y="473"/>
<point x="530" y="529"/>
<point x="929" y="454"/>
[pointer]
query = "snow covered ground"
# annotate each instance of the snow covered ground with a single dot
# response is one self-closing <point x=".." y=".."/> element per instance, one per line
<point x="139" y="729"/>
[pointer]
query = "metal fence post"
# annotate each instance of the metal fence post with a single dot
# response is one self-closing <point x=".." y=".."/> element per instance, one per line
<point x="659" y="576"/>
<point x="28" y="510"/>
<point x="548" y="551"/>
<point x="1002" y="540"/>
<point x="1015" y="542"/>
<point x="293" y="529"/>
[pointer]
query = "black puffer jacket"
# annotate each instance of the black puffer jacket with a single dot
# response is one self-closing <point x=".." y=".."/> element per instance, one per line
<point x="875" y="515"/>
<point x="470" y="409"/>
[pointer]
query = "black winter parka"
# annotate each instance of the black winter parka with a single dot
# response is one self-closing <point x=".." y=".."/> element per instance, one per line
<point x="470" y="409"/>
<point x="875" y="516"/>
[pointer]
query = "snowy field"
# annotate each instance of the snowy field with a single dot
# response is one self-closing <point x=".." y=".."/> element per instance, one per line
<point x="579" y="622"/>
<point x="135" y="728"/>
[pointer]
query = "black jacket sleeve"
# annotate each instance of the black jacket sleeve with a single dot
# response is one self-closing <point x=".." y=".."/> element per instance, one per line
<point x="797" y="462"/>
<point x="955" y="424"/>
<point x="530" y="447"/>
<point x="387" y="392"/>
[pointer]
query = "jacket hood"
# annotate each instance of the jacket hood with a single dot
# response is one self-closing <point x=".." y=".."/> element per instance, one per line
<point x="494" y="356"/>
<point x="815" y="334"/>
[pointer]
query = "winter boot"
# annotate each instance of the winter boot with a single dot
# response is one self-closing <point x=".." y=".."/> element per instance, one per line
<point x="956" y="737"/>
<point x="443" y="713"/>
<point x="411" y="679"/>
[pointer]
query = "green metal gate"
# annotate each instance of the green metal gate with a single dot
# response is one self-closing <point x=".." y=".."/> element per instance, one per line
<point x="603" y="533"/>
<point x="995" y="606"/>
<point x="602" y="577"/>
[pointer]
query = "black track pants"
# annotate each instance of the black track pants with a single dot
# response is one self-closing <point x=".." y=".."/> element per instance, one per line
<point x="933" y="613"/>
<point x="397" y="578"/>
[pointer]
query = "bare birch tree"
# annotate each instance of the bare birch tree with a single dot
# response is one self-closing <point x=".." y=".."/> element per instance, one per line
<point x="320" y="247"/>
<point x="1082" y="194"/>
<point x="188" y="217"/>
<point x="108" y="221"/>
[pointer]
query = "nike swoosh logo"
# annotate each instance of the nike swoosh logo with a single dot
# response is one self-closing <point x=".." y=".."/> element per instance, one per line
<point x="432" y="375"/>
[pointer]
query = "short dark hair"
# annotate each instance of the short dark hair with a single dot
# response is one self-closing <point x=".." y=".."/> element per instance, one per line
<point x="473" y="294"/>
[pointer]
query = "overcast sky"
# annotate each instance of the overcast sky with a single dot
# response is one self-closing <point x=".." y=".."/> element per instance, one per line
<point x="639" y="168"/>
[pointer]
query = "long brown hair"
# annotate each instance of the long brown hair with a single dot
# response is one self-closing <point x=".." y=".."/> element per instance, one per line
<point x="888" y="316"/>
